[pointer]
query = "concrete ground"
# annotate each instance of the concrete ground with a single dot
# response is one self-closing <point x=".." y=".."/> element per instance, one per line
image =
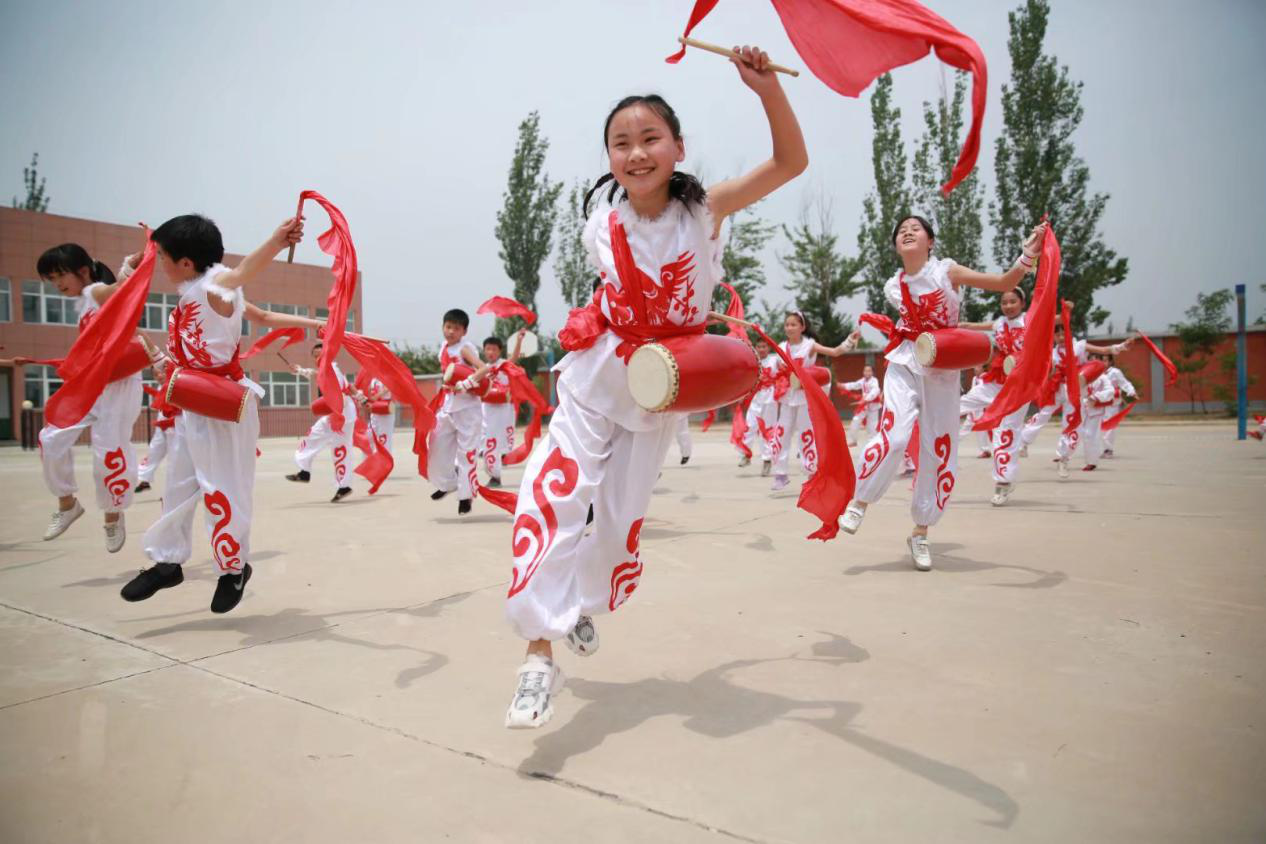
<point x="1084" y="665"/>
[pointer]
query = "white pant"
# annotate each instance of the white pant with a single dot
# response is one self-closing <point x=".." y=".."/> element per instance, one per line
<point x="758" y="412"/>
<point x="1006" y="438"/>
<point x="931" y="399"/>
<point x="498" y="435"/>
<point x="452" y="448"/>
<point x="1109" y="437"/>
<point x="794" y="429"/>
<point x="113" y="459"/>
<point x="1091" y="433"/>
<point x="157" y="451"/>
<point x="383" y="425"/>
<point x="1036" y="422"/>
<point x="559" y="572"/>
<point x="322" y="435"/>
<point x="211" y="461"/>
<point x="684" y="444"/>
<point x="867" y="420"/>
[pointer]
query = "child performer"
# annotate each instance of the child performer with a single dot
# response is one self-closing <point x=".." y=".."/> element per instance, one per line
<point x="762" y="411"/>
<point x="382" y="423"/>
<point x="1101" y="395"/>
<point x="164" y="430"/>
<point x="454" y="441"/>
<point x="1008" y="339"/>
<point x="977" y="379"/>
<point x="1067" y="440"/>
<point x="685" y="445"/>
<point x="866" y="410"/>
<point x="793" y="412"/>
<point x="322" y="434"/>
<point x="499" y="407"/>
<point x="654" y="237"/>
<point x="210" y="460"/>
<point x="926" y="294"/>
<point x="1123" y="387"/>
<point x="110" y="420"/>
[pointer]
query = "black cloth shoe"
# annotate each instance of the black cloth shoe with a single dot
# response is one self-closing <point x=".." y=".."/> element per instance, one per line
<point x="301" y="476"/>
<point x="494" y="482"/>
<point x="463" y="507"/>
<point x="438" y="494"/>
<point x="150" y="580"/>
<point x="685" y="460"/>
<point x="342" y="493"/>
<point x="142" y="486"/>
<point x="230" y="589"/>
<point x="589" y="518"/>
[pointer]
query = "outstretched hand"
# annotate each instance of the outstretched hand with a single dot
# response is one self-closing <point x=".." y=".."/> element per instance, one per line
<point x="288" y="233"/>
<point x="1033" y="245"/>
<point x="753" y="68"/>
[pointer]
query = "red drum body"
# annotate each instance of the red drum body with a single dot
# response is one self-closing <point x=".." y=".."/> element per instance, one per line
<point x="692" y="373"/>
<point x="380" y="408"/>
<point x="459" y="372"/>
<point x="132" y="361"/>
<point x="206" y="394"/>
<point x="818" y="373"/>
<point x="1090" y="371"/>
<point x="952" y="348"/>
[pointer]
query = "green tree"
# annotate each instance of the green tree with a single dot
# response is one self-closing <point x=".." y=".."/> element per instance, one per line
<point x="571" y="262"/>
<point x="877" y="260"/>
<point x="957" y="217"/>
<point x="36" y="199"/>
<point x="525" y="224"/>
<point x="1037" y="170"/>
<point x="741" y="263"/>
<point x="1206" y="326"/>
<point x="421" y="360"/>
<point x="820" y="275"/>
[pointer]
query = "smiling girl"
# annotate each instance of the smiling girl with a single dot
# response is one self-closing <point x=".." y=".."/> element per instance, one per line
<point x="653" y="238"/>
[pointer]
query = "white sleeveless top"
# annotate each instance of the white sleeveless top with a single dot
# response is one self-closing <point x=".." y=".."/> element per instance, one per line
<point x="86" y="307"/>
<point x="199" y="336"/>
<point x="453" y="354"/>
<point x="803" y="352"/>
<point x="937" y="303"/>
<point x="679" y="263"/>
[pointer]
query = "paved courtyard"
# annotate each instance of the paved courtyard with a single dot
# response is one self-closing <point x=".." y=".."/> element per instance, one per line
<point x="1084" y="665"/>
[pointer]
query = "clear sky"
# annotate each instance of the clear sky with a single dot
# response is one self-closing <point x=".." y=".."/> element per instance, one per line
<point x="404" y="115"/>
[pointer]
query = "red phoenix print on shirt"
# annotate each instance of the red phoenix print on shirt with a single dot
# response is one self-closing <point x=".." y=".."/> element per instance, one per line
<point x="944" y="478"/>
<point x="933" y="311"/>
<point x="116" y="485"/>
<point x="528" y="531"/>
<point x="224" y="545"/>
<point x="877" y="451"/>
<point x="185" y="335"/>
<point x="625" y="576"/>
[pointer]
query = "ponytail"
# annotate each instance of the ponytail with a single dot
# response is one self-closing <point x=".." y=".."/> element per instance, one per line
<point x="681" y="186"/>
<point x="102" y="273"/>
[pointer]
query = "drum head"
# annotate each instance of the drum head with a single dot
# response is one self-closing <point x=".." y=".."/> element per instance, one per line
<point x="1008" y="364"/>
<point x="448" y="373"/>
<point x="925" y="349"/>
<point x="652" y="374"/>
<point x="528" y="347"/>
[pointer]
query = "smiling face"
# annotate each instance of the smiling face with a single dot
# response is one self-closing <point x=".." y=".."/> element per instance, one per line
<point x="1011" y="304"/>
<point x="70" y="283"/>
<point x="913" y="240"/>
<point x="793" y="326"/>
<point x="643" y="151"/>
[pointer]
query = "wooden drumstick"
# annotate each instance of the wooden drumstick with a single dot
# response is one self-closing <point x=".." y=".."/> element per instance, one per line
<point x="728" y="318"/>
<point x="290" y="256"/>
<point x="730" y="54"/>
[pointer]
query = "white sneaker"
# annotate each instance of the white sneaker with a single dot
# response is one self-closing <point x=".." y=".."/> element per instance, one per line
<point x="116" y="535"/>
<point x="1001" y="492"/>
<point x="780" y="482"/>
<point x="539" y="680"/>
<point x="583" y="638"/>
<point x="63" y="519"/>
<point x="920" y="552"/>
<point x="852" y="518"/>
<point x="1024" y="451"/>
<point x="1063" y="469"/>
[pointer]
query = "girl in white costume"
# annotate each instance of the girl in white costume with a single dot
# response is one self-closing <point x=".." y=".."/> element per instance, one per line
<point x="210" y="461"/>
<point x="110" y="420"/>
<point x="926" y="293"/>
<point x="762" y="410"/>
<point x="1100" y="396"/>
<point x="866" y="412"/>
<point x="164" y="431"/>
<point x="322" y="434"/>
<point x="793" y="429"/>
<point x="381" y="425"/>
<point x="1068" y="441"/>
<point x="1008" y="339"/>
<point x="1123" y="388"/>
<point x="983" y="440"/>
<point x="659" y="256"/>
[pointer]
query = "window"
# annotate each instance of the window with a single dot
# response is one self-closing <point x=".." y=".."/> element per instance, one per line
<point x="40" y="382"/>
<point x="284" y="389"/>
<point x="41" y="303"/>
<point x="292" y="310"/>
<point x="158" y="308"/>
<point x="6" y="297"/>
<point x="149" y="380"/>
<point x="324" y="313"/>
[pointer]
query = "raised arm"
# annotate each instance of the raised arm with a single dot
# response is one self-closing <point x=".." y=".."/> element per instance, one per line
<point x="849" y="344"/>
<point x="1114" y="349"/>
<point x="1002" y="282"/>
<point x="273" y="319"/>
<point x="789" y="158"/>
